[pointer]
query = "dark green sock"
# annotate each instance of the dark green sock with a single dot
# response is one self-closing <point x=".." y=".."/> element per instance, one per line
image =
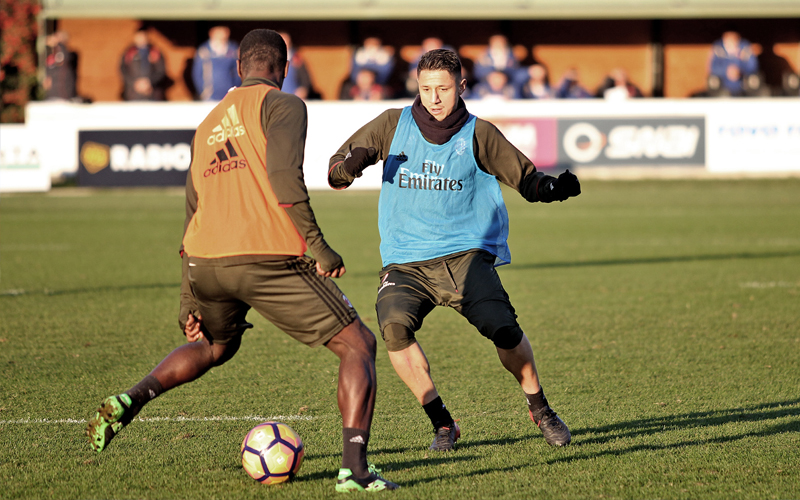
<point x="146" y="390"/>
<point x="354" y="451"/>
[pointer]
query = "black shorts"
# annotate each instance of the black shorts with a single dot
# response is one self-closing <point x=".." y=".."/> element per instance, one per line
<point x="289" y="293"/>
<point x="468" y="283"/>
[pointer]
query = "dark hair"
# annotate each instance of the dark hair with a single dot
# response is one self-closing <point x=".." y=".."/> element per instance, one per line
<point x="440" y="60"/>
<point x="263" y="50"/>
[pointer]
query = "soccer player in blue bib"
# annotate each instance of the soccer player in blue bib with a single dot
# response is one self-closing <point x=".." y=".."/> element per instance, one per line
<point x="443" y="227"/>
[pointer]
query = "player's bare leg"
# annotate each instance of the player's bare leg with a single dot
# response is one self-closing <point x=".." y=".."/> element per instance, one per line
<point x="519" y="361"/>
<point x="184" y="364"/>
<point x="413" y="368"/>
<point x="355" y="346"/>
<point x="190" y="361"/>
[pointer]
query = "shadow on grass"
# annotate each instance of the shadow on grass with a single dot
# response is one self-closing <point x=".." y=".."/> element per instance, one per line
<point x="762" y="413"/>
<point x="586" y="441"/>
<point x="427" y="461"/>
<point x="4" y="294"/>
<point x="659" y="260"/>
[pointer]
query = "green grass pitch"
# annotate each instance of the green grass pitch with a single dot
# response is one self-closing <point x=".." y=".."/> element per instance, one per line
<point x="664" y="316"/>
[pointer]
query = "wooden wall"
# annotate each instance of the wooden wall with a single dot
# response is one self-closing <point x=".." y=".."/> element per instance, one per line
<point x="593" y="47"/>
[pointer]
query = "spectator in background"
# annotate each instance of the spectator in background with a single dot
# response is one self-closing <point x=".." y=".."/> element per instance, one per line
<point x="570" y="88"/>
<point x="366" y="87"/>
<point x="538" y="84"/>
<point x="495" y="86"/>
<point x="374" y="56"/>
<point x="214" y="70"/>
<point x="428" y="44"/>
<point x="499" y="56"/>
<point x="61" y="66"/>
<point x="617" y="87"/>
<point x="731" y="61"/>
<point x="298" y="80"/>
<point x="143" y="70"/>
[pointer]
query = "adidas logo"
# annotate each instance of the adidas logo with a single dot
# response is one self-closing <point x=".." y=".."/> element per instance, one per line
<point x="230" y="126"/>
<point x="225" y="160"/>
<point x="225" y="154"/>
<point x="357" y="439"/>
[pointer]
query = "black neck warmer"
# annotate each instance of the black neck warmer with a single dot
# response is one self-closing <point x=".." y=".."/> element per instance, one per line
<point x="439" y="132"/>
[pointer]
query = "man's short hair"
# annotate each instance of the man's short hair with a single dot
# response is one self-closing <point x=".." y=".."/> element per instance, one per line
<point x="263" y="50"/>
<point x="440" y="60"/>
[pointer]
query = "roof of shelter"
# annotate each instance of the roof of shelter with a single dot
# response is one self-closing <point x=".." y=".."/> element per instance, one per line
<point x="420" y="9"/>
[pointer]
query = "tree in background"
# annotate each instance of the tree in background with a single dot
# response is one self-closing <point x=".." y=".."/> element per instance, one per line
<point x="18" y="68"/>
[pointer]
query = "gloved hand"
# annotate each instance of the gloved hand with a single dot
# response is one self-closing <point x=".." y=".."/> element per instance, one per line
<point x="358" y="159"/>
<point x="566" y="186"/>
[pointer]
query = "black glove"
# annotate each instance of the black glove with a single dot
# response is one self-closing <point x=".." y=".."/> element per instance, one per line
<point x="358" y="159"/>
<point x="566" y="186"/>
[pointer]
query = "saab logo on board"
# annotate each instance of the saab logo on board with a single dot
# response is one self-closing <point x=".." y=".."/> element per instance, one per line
<point x="225" y="160"/>
<point x="230" y="126"/>
<point x="633" y="141"/>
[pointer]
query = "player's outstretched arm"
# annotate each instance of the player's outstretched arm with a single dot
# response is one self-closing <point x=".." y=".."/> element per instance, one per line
<point x="561" y="188"/>
<point x="342" y="173"/>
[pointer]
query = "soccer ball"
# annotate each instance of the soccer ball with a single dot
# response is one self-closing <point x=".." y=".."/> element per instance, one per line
<point x="272" y="453"/>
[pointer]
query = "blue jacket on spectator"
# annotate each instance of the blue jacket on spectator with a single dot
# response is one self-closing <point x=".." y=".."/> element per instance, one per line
<point x="213" y="73"/>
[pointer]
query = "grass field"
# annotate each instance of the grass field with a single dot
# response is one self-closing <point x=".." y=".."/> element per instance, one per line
<point x="665" y="318"/>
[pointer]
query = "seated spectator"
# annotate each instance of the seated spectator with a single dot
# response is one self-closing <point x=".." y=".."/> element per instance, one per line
<point x="298" y="80"/>
<point x="374" y="56"/>
<point x="617" y="87"/>
<point x="61" y="66"/>
<point x="570" y="88"/>
<point x="495" y="86"/>
<point x="214" y="71"/>
<point x="143" y="70"/>
<point x="731" y="62"/>
<point x="538" y="84"/>
<point x="499" y="56"/>
<point x="366" y="88"/>
<point x="427" y="45"/>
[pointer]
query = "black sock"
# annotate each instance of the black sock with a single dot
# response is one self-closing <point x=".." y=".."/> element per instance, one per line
<point x="536" y="402"/>
<point x="147" y="389"/>
<point x="438" y="413"/>
<point x="354" y="451"/>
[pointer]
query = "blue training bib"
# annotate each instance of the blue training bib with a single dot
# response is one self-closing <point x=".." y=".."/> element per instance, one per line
<point x="435" y="201"/>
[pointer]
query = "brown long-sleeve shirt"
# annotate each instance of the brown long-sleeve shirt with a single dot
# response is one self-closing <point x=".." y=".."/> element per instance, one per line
<point x="494" y="154"/>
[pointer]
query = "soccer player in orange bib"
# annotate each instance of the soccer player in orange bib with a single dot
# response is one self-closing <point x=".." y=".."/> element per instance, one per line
<point x="248" y="226"/>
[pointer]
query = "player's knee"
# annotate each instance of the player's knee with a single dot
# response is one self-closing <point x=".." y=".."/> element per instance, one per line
<point x="507" y="337"/>
<point x="222" y="353"/>
<point x="370" y="343"/>
<point x="397" y="337"/>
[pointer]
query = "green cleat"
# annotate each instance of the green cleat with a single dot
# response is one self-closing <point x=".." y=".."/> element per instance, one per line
<point x="347" y="482"/>
<point x="114" y="414"/>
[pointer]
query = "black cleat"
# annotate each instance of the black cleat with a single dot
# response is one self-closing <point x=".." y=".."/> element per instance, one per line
<point x="554" y="429"/>
<point x="446" y="438"/>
